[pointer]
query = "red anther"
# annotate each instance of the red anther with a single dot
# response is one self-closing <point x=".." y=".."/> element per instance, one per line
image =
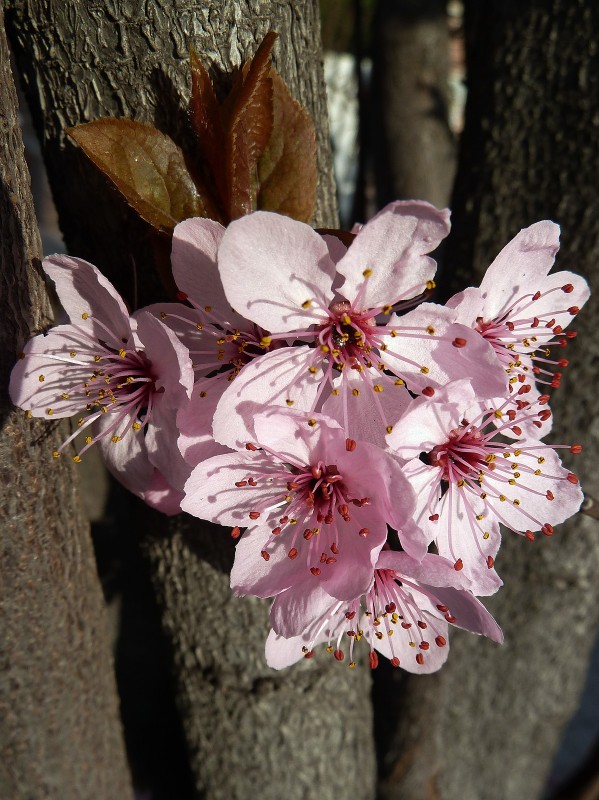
<point x="555" y="383"/>
<point x="536" y="371"/>
<point x="567" y="288"/>
<point x="350" y="615"/>
<point x="239" y="484"/>
<point x="459" y="564"/>
<point x="543" y="399"/>
<point x="459" y="342"/>
<point x="510" y="326"/>
<point x="557" y="330"/>
<point x="323" y="558"/>
<point x="524" y="389"/>
<point x="536" y="322"/>
<point x="537" y="424"/>
<point x="571" y="334"/>
<point x="235" y="533"/>
<point x="284" y="520"/>
<point x="319" y="517"/>
<point x="328" y="519"/>
<point x="335" y="548"/>
<point x="350" y="445"/>
<point x="521" y="378"/>
<point x="315" y="571"/>
<point x="181" y="296"/>
<point x="544" y="414"/>
<point x="440" y="641"/>
<point x="536" y="295"/>
<point x="395" y="662"/>
<point x="291" y="485"/>
<point x="390" y="608"/>
<point x="520" y="404"/>
<point x="547" y="529"/>
<point x="308" y="534"/>
<point x="254" y="514"/>
<point x="351" y="633"/>
<point x="339" y="655"/>
<point x="573" y="310"/>
<point x="557" y="375"/>
<point x="276" y="531"/>
<point x="250" y="446"/>
<point x="550" y="324"/>
<point x="428" y="391"/>
<point x="562" y="342"/>
<point x="549" y="495"/>
<point x="450" y="618"/>
<point x="442" y="608"/>
<point x="364" y="532"/>
<point x="265" y="555"/>
<point x="309" y="654"/>
<point x="576" y="449"/>
<point x="424" y="645"/>
<point x="373" y="659"/>
<point x="316" y="473"/>
<point x="511" y="414"/>
<point x="571" y="478"/>
<point x="434" y="517"/>
<point x="406" y="625"/>
<point x="517" y="430"/>
<point x="292" y="553"/>
<point x="529" y="535"/>
<point x="364" y="501"/>
<point x="343" y="509"/>
<point x="420" y="659"/>
<point x="422" y="624"/>
<point x="331" y="560"/>
<point x="252" y="482"/>
<point x="563" y="362"/>
<point x="490" y="562"/>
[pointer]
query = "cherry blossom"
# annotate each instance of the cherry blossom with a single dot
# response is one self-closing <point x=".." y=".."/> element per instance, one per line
<point x="126" y="376"/>
<point x="467" y="480"/>
<point x="404" y="616"/>
<point x="300" y="286"/>
<point x="522" y="311"/>
<point x="316" y="504"/>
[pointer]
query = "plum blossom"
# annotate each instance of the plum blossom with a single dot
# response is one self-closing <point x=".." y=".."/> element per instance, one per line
<point x="301" y="286"/>
<point x="404" y="616"/>
<point x="467" y="480"/>
<point x="316" y="504"/>
<point x="126" y="376"/>
<point x="522" y="311"/>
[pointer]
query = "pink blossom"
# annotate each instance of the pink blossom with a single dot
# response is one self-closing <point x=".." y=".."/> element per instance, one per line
<point x="522" y="311"/>
<point x="301" y="286"/>
<point x="316" y="504"/>
<point x="467" y="480"/>
<point x="126" y="375"/>
<point x="404" y="616"/>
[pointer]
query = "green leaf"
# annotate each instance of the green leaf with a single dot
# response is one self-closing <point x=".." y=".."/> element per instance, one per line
<point x="145" y="165"/>
<point x="287" y="171"/>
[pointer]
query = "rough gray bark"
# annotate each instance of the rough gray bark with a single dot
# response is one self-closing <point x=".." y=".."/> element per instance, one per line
<point x="414" y="149"/>
<point x="489" y="723"/>
<point x="61" y="736"/>
<point x="307" y="731"/>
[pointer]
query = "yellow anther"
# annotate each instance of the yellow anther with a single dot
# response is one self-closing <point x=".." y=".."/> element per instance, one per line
<point x="377" y="388"/>
<point x="104" y="409"/>
<point x="64" y="396"/>
<point x="136" y="426"/>
<point x="77" y="459"/>
<point x="85" y="315"/>
<point x="41" y="378"/>
<point x="346" y="319"/>
<point x="461" y="483"/>
<point x="163" y="315"/>
<point x="49" y="411"/>
<point x="540" y="460"/>
<point x="115" y="439"/>
<point x="352" y="664"/>
<point x="220" y="341"/>
<point x="28" y="414"/>
<point x="72" y="354"/>
<point x="430" y="330"/>
<point x="203" y="393"/>
<point x="325" y="348"/>
<point x="538" y="472"/>
<point x="312" y="370"/>
<point x="486" y="535"/>
<point x="393" y="334"/>
<point x="387" y="309"/>
<point x="290" y="402"/>
<point x="424" y="370"/>
<point x="498" y="413"/>
<point x="502" y="497"/>
<point x="312" y="423"/>
<point x="516" y="474"/>
<point x="265" y="341"/>
<point x="335" y="392"/>
<point x="122" y="353"/>
<point x="389" y="428"/>
<point x="512" y="482"/>
<point x="355" y="392"/>
<point x="517" y="452"/>
<point x="399" y="382"/>
<point x="378" y="635"/>
<point x="55" y="454"/>
<point x="516" y="502"/>
<point x="306" y="304"/>
<point x="430" y="285"/>
<point x="329" y="649"/>
<point x="367" y="273"/>
<point x="483" y="495"/>
<point x="97" y="358"/>
<point x="88" y="440"/>
<point x="199" y="326"/>
<point x="479" y="517"/>
<point x="208" y="308"/>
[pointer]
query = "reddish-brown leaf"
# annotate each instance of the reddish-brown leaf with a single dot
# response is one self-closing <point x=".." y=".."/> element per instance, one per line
<point x="287" y="169"/>
<point x="205" y="115"/>
<point x="145" y="165"/>
<point x="248" y="118"/>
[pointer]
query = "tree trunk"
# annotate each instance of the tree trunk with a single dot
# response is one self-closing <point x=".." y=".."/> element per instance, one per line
<point x="489" y="723"/>
<point x="414" y="149"/>
<point x="61" y="735"/>
<point x="306" y="731"/>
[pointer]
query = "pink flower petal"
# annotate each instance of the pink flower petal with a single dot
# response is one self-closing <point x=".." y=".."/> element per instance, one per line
<point x="272" y="267"/>
<point x="393" y="244"/>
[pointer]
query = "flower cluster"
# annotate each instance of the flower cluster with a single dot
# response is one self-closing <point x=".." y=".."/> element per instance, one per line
<point x="364" y="445"/>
